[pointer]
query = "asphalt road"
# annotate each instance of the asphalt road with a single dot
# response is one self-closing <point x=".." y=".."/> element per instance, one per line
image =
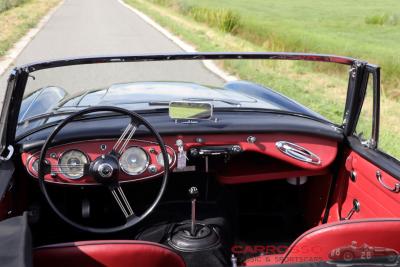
<point x="105" y="27"/>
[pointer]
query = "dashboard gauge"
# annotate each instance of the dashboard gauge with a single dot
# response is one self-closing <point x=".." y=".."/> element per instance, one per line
<point x="72" y="163"/>
<point x="134" y="160"/>
<point x="160" y="159"/>
<point x="35" y="165"/>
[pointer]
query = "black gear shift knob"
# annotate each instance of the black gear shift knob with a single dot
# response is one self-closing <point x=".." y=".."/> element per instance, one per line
<point x="193" y="192"/>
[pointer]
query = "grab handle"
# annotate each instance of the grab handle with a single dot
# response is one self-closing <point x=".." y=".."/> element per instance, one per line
<point x="298" y="152"/>
<point x="395" y="189"/>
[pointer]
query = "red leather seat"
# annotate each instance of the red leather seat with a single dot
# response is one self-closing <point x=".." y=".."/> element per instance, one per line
<point x="318" y="243"/>
<point x="107" y="254"/>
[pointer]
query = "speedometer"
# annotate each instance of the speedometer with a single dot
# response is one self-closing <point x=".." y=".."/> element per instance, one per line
<point x="72" y="163"/>
<point x="134" y="160"/>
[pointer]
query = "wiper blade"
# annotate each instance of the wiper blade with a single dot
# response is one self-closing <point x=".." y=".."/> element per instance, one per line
<point x="227" y="101"/>
<point x="166" y="103"/>
<point x="276" y="111"/>
<point x="158" y="103"/>
<point x="47" y="115"/>
<point x="71" y="111"/>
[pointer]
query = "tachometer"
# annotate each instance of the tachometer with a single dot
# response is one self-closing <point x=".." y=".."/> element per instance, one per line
<point x="134" y="161"/>
<point x="72" y="163"/>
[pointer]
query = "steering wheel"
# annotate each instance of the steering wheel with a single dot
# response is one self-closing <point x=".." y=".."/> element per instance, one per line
<point x="105" y="169"/>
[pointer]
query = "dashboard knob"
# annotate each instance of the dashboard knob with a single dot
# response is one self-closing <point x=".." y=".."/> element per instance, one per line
<point x="152" y="169"/>
<point x="236" y="149"/>
<point x="251" y="139"/>
<point x="193" y="192"/>
<point x="194" y="152"/>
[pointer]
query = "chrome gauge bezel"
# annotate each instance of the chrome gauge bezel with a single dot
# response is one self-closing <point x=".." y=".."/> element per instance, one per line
<point x="61" y="170"/>
<point x="33" y="164"/>
<point x="161" y="161"/>
<point x="144" y="168"/>
<point x="29" y="166"/>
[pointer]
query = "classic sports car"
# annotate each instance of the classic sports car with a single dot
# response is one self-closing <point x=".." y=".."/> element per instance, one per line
<point x="362" y="254"/>
<point x="157" y="160"/>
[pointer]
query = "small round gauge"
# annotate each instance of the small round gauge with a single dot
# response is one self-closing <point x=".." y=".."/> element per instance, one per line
<point x="35" y="165"/>
<point x="160" y="159"/>
<point x="72" y="163"/>
<point x="134" y="160"/>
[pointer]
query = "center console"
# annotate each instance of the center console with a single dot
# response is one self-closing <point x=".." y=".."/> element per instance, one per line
<point x="191" y="236"/>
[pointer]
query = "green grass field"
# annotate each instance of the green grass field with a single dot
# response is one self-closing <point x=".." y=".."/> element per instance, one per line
<point x="19" y="16"/>
<point x="8" y="4"/>
<point x="368" y="31"/>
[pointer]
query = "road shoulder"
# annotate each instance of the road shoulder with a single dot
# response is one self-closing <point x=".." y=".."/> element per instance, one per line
<point x="20" y="25"/>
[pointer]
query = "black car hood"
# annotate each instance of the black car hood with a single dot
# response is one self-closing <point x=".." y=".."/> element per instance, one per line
<point x="138" y="95"/>
<point x="142" y="93"/>
<point x="151" y="95"/>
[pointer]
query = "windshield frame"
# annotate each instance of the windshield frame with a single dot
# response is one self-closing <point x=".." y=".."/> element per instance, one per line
<point x="188" y="56"/>
<point x="22" y="73"/>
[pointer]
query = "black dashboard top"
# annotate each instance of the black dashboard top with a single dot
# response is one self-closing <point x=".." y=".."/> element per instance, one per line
<point x="225" y="122"/>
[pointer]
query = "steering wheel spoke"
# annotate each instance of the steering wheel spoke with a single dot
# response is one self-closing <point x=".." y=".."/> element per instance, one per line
<point x="124" y="139"/>
<point x="122" y="201"/>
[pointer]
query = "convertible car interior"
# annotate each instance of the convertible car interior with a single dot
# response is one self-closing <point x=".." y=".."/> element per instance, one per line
<point x="90" y="186"/>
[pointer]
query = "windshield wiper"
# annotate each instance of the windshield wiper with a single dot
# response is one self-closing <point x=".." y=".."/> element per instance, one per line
<point x="151" y="103"/>
<point x="46" y="115"/>
<point x="227" y="101"/>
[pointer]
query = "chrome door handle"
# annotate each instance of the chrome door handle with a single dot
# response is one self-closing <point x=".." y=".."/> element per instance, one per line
<point x="395" y="189"/>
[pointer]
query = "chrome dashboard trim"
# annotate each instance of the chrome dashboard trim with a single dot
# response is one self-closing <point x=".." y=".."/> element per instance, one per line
<point x="100" y="140"/>
<point x="298" y="152"/>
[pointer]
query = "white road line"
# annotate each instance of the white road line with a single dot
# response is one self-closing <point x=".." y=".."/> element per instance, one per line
<point x="13" y="53"/>
<point x="185" y="46"/>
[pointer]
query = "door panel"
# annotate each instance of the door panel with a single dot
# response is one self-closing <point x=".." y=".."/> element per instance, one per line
<point x="357" y="180"/>
<point x="375" y="200"/>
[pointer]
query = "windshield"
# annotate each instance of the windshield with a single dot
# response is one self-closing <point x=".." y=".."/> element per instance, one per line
<point x="314" y="89"/>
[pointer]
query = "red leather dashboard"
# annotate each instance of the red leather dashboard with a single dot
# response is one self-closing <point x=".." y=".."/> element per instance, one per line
<point x="278" y="166"/>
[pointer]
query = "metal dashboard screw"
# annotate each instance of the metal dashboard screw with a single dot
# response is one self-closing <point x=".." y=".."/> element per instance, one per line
<point x="251" y="139"/>
<point x="199" y="140"/>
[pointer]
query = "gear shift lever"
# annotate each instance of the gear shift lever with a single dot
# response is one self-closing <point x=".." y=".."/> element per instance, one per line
<point x="193" y="193"/>
<point x="193" y="236"/>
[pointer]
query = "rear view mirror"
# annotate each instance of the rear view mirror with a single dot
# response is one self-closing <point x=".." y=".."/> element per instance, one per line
<point x="185" y="110"/>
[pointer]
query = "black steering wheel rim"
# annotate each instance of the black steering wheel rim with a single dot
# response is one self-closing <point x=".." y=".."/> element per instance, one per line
<point x="133" y="221"/>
